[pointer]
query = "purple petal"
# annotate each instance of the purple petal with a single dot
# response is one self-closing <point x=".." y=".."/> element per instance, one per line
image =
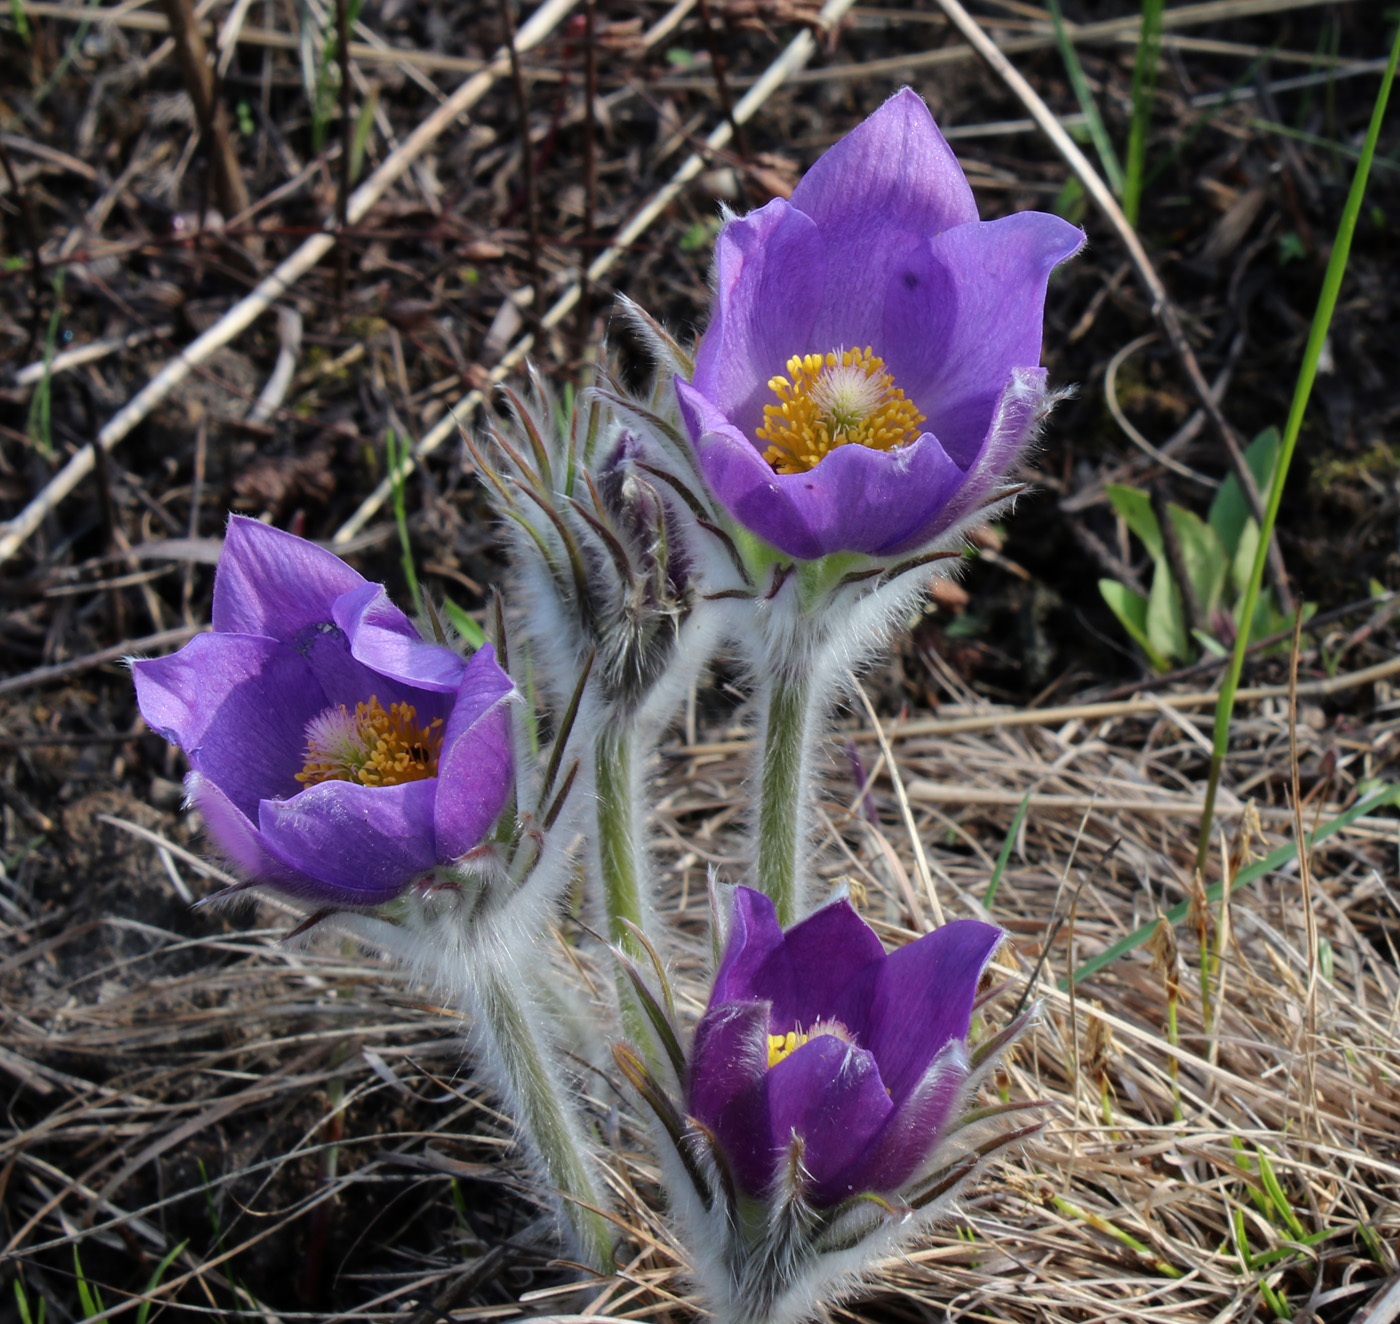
<point x="238" y="706"/>
<point x="326" y="651"/>
<point x="742" y="480"/>
<point x="826" y="952"/>
<point x="275" y="584"/>
<point x="356" y="845"/>
<point x="474" y="770"/>
<point x="877" y="502"/>
<point x="727" y="1088"/>
<point x="911" y="1131"/>
<point x="801" y="973"/>
<point x="963" y="310"/>
<point x="1013" y="428"/>
<point x="769" y="276"/>
<point x="889" y="184"/>
<point x="232" y="831"/>
<point x="382" y="638"/>
<point x="829" y="1093"/>
<point x="754" y="937"/>
<point x="923" y="998"/>
<point x="856" y="500"/>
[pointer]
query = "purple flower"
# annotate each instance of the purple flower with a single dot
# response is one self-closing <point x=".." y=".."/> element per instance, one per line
<point x="871" y="370"/>
<point x="334" y="754"/>
<point x="818" y="1046"/>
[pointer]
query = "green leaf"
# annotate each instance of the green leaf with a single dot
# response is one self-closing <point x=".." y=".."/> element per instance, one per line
<point x="1135" y="509"/>
<point x="22" y="1303"/>
<point x="1210" y="644"/>
<point x="1166" y="619"/>
<point x="88" y="1295"/>
<point x="1247" y="544"/>
<point x="470" y="631"/>
<point x="1275" y="1301"/>
<point x="1276" y="1193"/>
<point x="1242" y="1241"/>
<point x="1229" y="510"/>
<point x="1204" y="555"/>
<point x="1131" y="610"/>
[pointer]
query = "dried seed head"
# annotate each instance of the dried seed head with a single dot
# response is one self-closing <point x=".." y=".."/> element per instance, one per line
<point x="1198" y="909"/>
<point x="1166" y="956"/>
<point x="1098" y="1043"/>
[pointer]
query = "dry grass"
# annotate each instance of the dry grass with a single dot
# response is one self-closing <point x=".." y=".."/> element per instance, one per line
<point x="295" y="1128"/>
<point x="270" y="1084"/>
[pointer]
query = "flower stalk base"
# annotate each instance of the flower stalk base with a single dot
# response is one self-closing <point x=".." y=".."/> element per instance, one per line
<point x="514" y="1050"/>
<point x="621" y="863"/>
<point x="784" y="786"/>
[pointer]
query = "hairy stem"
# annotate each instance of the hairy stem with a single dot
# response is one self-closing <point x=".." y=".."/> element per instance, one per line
<point x="618" y="816"/>
<point x="620" y="811"/>
<point x="539" y="1101"/>
<point x="783" y="790"/>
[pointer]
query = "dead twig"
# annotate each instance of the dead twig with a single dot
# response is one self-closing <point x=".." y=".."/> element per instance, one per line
<point x="527" y="164"/>
<point x="229" y="188"/>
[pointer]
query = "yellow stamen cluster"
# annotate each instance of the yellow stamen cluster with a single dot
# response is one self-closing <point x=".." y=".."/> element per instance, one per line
<point x="371" y="746"/>
<point x="781" y="1045"/>
<point x="829" y="400"/>
<point x="784" y="1045"/>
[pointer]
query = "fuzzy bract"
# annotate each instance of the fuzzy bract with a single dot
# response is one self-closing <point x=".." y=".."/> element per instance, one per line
<point x="871" y="370"/>
<point x="334" y="754"/>
<point x="819" y="1047"/>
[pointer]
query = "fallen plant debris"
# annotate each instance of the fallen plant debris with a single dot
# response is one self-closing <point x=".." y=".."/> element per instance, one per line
<point x="205" y="1118"/>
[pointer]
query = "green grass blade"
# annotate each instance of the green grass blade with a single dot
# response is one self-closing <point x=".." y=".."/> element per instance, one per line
<point x="1005" y="855"/>
<point x="1149" y="54"/>
<point x="1338" y="150"/>
<point x="70" y="53"/>
<point x="1317" y="337"/>
<point x="1281" y="1203"/>
<point x="1103" y="145"/>
<point x="40" y="422"/>
<point x="145" y="1308"/>
<point x="22" y="1305"/>
<point x="88" y="1296"/>
<point x="1386" y="795"/>
<point x="1275" y="1301"/>
<point x="470" y="631"/>
<point x="398" y="454"/>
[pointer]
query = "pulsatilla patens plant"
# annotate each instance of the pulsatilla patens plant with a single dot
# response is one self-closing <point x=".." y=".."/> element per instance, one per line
<point x="868" y="379"/>
<point x="335" y="755"/>
<point x="342" y="761"/>
<point x="823" y="1112"/>
<point x="870" y="375"/>
<point x="606" y="572"/>
<point x="614" y="577"/>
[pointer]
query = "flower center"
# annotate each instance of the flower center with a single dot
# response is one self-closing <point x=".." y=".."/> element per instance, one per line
<point x="834" y="400"/>
<point x="784" y="1045"/>
<point x="371" y="746"/>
